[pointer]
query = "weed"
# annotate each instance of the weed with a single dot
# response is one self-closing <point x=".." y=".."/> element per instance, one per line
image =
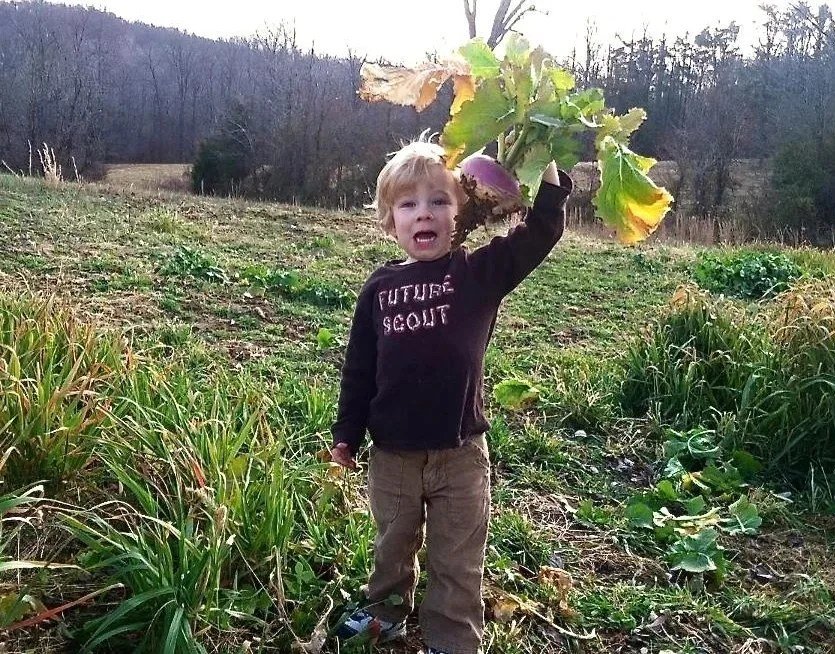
<point x="746" y="273"/>
<point x="187" y="262"/>
<point x="292" y="285"/>
<point x="767" y="382"/>
<point x="54" y="376"/>
<point x="164" y="221"/>
<point x="513" y="536"/>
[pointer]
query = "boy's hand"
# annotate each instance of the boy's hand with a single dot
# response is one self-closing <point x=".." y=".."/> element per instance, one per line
<point x="342" y="455"/>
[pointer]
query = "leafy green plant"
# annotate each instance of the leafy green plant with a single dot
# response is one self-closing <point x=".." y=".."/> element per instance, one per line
<point x="188" y="262"/>
<point x="325" y="338"/>
<point x="515" y="394"/>
<point x="294" y="286"/>
<point x="698" y="553"/>
<point x="746" y="273"/>
<point x="528" y="106"/>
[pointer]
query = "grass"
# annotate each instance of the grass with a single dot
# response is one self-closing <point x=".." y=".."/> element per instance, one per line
<point x="198" y="497"/>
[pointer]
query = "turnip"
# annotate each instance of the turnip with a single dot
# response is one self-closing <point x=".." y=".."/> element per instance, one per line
<point x="492" y="192"/>
<point x="529" y="107"/>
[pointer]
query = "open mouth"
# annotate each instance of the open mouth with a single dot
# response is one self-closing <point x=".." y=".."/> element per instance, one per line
<point x="425" y="238"/>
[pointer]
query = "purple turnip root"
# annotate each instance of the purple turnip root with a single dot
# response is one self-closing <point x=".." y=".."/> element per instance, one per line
<point x="492" y="195"/>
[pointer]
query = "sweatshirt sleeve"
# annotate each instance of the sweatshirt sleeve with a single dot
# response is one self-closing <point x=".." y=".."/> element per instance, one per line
<point x="504" y="262"/>
<point x="358" y="385"/>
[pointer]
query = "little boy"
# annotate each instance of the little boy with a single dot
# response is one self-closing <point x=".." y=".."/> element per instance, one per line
<point x="413" y="378"/>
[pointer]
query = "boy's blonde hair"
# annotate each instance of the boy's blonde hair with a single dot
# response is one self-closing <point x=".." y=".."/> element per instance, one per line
<point x="414" y="161"/>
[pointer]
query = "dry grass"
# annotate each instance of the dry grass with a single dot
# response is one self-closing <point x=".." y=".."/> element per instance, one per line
<point x="149" y="177"/>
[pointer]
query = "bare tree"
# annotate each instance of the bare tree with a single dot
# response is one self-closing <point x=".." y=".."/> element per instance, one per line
<point x="470" y="12"/>
<point x="504" y="20"/>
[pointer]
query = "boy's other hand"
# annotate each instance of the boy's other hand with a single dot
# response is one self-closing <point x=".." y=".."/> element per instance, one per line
<point x="342" y="455"/>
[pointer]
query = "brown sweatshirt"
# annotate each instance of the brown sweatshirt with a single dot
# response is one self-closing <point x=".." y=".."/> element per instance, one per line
<point x="414" y="367"/>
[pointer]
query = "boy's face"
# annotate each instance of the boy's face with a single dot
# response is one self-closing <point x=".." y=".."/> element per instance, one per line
<point x="423" y="216"/>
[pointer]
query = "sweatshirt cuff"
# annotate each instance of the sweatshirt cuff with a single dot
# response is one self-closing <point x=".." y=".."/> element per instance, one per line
<point x="551" y="196"/>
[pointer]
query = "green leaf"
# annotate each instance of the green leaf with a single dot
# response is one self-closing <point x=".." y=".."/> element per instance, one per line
<point x="170" y="645"/>
<point x="394" y="600"/>
<point x="698" y="553"/>
<point x="640" y="515"/>
<point x="724" y="480"/>
<point x="517" y="50"/>
<point x="620" y="128"/>
<point x="588" y="107"/>
<point x="673" y="448"/>
<point x="628" y="201"/>
<point x="483" y="63"/>
<point x="324" y="338"/>
<point x="666" y="490"/>
<point x="14" y="607"/>
<point x="747" y="465"/>
<point x="745" y="519"/>
<point x="515" y="394"/>
<point x="673" y="469"/>
<point x="529" y="172"/>
<point x="695" y="505"/>
<point x="665" y="533"/>
<point x="478" y="122"/>
<point x="693" y="562"/>
<point x="548" y="121"/>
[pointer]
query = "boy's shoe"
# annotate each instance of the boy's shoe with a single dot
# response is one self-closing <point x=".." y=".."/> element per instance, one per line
<point x="362" y="621"/>
<point x="432" y="650"/>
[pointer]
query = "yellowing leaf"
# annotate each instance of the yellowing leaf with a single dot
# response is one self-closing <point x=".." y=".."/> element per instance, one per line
<point x="464" y="90"/>
<point x="628" y="200"/>
<point x="335" y="471"/>
<point x="562" y="79"/>
<point x="559" y="581"/>
<point x="416" y="87"/>
<point x="477" y="123"/>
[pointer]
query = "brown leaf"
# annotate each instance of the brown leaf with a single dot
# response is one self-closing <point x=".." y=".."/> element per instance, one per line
<point x="560" y="581"/>
<point x="503" y="608"/>
<point x="416" y="87"/>
<point x="556" y="578"/>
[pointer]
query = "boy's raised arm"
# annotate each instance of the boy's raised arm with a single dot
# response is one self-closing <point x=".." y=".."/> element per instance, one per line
<point x="507" y="260"/>
<point x="358" y="385"/>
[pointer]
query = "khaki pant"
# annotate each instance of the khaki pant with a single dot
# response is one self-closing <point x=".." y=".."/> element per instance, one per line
<point x="449" y="492"/>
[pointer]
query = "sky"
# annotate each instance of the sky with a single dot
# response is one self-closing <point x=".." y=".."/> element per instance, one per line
<point x="405" y="30"/>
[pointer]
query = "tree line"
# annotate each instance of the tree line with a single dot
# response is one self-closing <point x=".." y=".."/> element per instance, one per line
<point x="263" y="116"/>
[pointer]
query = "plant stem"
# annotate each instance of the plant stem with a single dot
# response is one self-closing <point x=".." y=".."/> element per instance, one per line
<point x="516" y="150"/>
<point x="501" y="148"/>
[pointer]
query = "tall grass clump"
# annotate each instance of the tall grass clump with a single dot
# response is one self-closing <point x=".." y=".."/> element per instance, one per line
<point x="227" y="522"/>
<point x="693" y="362"/>
<point x="54" y="375"/>
<point x="799" y="412"/>
<point x="765" y="380"/>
